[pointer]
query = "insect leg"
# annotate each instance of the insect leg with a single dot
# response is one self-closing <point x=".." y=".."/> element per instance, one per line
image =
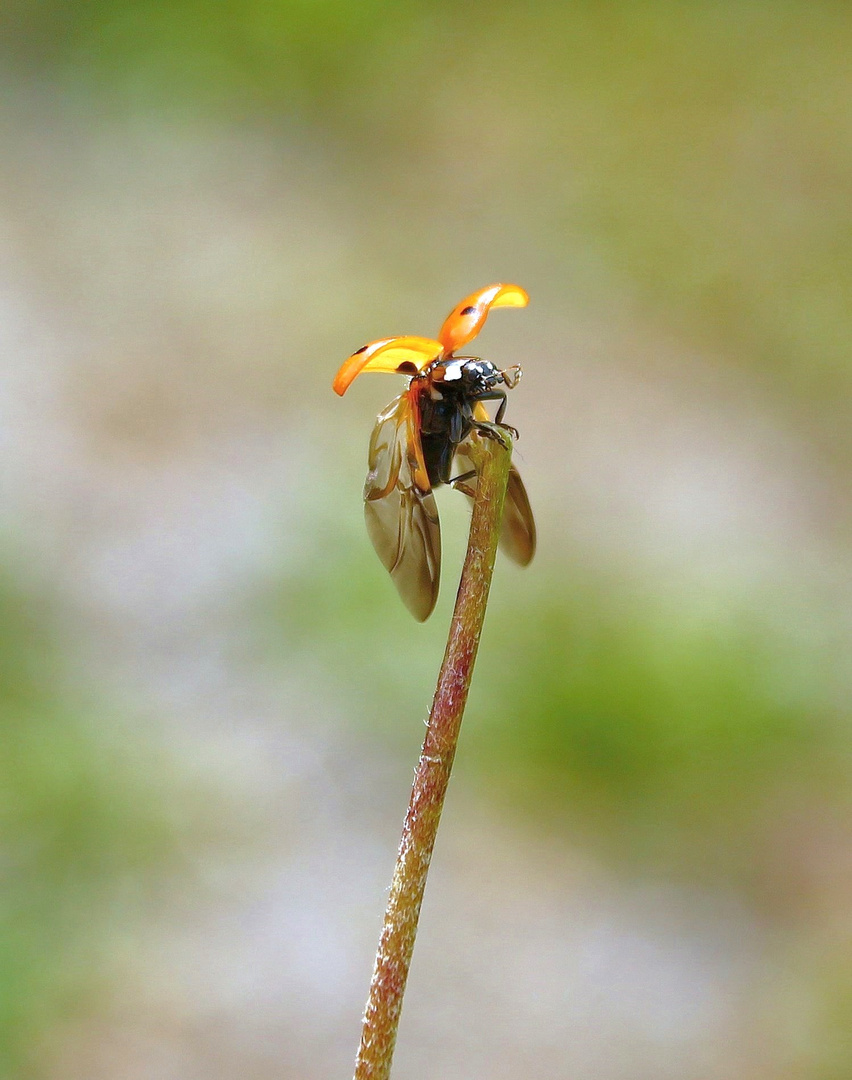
<point x="456" y="432"/>
<point x="494" y="395"/>
<point x="492" y="431"/>
<point x="497" y="395"/>
<point x="458" y="483"/>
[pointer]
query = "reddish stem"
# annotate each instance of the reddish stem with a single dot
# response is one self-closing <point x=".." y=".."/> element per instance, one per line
<point x="384" y="1004"/>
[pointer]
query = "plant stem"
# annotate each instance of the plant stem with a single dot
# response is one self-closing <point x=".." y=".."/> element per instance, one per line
<point x="384" y="1004"/>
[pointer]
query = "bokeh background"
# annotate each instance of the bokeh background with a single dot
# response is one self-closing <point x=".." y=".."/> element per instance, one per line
<point x="211" y="699"/>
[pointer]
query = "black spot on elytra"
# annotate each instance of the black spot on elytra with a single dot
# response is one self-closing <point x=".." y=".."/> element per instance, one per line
<point x="362" y="349"/>
<point x="467" y="311"/>
<point x="407" y="368"/>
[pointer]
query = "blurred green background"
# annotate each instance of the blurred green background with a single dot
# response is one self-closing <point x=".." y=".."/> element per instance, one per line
<point x="210" y="696"/>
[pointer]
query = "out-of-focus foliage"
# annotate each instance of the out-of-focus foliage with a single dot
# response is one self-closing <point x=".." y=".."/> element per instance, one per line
<point x="675" y="175"/>
<point x="678" y="730"/>
<point x="697" y="157"/>
<point x="82" y="825"/>
<point x="682" y="730"/>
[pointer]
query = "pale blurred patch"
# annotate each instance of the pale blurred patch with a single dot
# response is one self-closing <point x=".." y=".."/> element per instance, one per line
<point x="644" y="863"/>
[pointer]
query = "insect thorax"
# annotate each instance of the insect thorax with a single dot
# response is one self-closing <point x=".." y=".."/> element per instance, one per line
<point x="462" y="375"/>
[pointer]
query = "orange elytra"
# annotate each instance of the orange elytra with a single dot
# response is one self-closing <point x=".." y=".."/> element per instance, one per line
<point x="408" y="355"/>
<point x="427" y="430"/>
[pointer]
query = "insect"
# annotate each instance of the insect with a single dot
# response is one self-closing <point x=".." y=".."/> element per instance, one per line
<point x="425" y="433"/>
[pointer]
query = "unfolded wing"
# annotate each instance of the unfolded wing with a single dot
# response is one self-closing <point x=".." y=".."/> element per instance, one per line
<point x="398" y="355"/>
<point x="467" y="318"/>
<point x="517" y="531"/>
<point x="400" y="510"/>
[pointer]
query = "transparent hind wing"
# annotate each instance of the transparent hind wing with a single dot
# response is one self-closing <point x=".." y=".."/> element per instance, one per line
<point x="517" y="531"/>
<point x="400" y="510"/>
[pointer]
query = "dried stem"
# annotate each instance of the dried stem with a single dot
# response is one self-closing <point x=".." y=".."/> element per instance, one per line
<point x="381" y="1016"/>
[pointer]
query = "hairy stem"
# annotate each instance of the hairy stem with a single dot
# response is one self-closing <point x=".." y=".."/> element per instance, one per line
<point x="384" y="1004"/>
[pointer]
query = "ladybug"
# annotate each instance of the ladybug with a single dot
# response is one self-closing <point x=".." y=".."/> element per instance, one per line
<point x="425" y="434"/>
